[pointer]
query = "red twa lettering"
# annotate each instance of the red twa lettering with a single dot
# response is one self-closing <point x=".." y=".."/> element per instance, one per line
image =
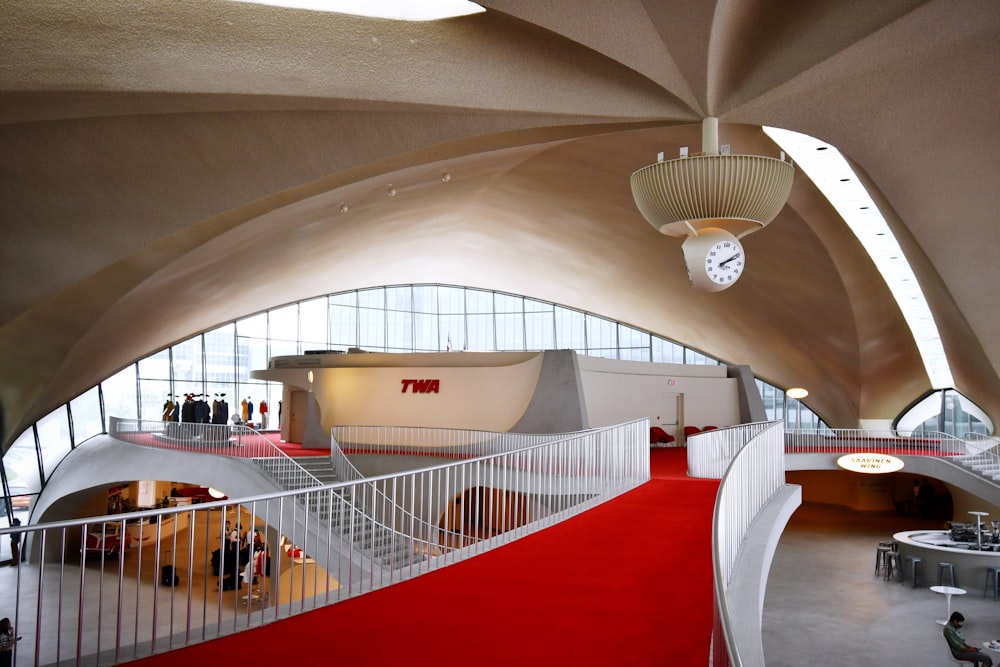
<point x="422" y="386"/>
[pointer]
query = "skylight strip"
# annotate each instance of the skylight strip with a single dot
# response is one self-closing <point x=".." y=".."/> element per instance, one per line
<point x="831" y="173"/>
<point x="400" y="10"/>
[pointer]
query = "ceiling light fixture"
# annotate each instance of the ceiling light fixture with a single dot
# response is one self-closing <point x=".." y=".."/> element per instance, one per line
<point x="714" y="199"/>
<point x="400" y="10"/>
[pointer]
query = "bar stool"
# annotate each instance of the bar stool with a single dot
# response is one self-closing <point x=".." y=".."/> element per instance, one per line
<point x="880" y="554"/>
<point x="946" y="568"/>
<point x="992" y="574"/>
<point x="892" y="566"/>
<point x="914" y="562"/>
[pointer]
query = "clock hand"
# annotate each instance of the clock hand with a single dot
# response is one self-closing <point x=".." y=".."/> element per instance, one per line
<point x="723" y="264"/>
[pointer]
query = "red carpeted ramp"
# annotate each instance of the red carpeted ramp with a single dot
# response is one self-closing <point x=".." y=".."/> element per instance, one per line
<point x="626" y="583"/>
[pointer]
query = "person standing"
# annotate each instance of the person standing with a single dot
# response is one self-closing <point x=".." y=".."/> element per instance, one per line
<point x="956" y="642"/>
<point x="7" y="641"/>
<point x="15" y="545"/>
<point x="925" y="497"/>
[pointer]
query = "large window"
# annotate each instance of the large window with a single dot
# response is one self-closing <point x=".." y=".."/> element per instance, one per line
<point x="945" y="411"/>
<point x="86" y="412"/>
<point x="215" y="365"/>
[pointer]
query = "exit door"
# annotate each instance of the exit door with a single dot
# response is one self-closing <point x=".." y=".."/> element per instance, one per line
<point x="297" y="416"/>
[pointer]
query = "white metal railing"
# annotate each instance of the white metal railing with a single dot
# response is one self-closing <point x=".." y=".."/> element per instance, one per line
<point x="983" y="455"/>
<point x="415" y="440"/>
<point x="870" y="440"/>
<point x="755" y="474"/>
<point x="980" y="443"/>
<point x="236" y="441"/>
<point x="101" y="605"/>
<point x="710" y="452"/>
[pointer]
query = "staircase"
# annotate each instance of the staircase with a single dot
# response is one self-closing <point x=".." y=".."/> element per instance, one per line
<point x="986" y="464"/>
<point x="319" y="467"/>
<point x="389" y="548"/>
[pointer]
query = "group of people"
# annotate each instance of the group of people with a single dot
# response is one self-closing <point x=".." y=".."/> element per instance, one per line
<point x="241" y="558"/>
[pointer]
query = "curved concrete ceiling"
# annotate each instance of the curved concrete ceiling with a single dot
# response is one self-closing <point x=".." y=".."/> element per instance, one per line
<point x="182" y="164"/>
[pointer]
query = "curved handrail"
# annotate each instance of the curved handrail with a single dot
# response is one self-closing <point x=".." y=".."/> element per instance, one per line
<point x="808" y="441"/>
<point x="709" y="453"/>
<point x="243" y="442"/>
<point x="755" y="474"/>
<point x="558" y="479"/>
<point x="236" y="441"/>
<point x="982" y="443"/>
<point x="428" y="441"/>
<point x="422" y="440"/>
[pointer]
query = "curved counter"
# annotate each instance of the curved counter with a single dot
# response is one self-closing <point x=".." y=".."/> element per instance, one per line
<point x="936" y="546"/>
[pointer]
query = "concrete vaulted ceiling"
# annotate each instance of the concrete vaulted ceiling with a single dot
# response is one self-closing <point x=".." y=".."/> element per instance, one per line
<point x="166" y="167"/>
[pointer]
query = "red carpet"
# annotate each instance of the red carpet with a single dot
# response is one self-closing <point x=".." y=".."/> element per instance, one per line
<point x="626" y="583"/>
<point x="293" y="448"/>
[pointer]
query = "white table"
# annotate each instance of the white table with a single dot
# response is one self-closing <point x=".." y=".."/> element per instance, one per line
<point x="947" y="591"/>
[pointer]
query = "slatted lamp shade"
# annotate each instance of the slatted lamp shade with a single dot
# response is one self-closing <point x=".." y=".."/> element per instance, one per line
<point x="738" y="193"/>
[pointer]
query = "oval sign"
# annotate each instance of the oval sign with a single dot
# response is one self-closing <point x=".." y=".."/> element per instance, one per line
<point x="870" y="463"/>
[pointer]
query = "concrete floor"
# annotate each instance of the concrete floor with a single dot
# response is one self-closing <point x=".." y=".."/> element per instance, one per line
<point x="94" y="614"/>
<point x="824" y="606"/>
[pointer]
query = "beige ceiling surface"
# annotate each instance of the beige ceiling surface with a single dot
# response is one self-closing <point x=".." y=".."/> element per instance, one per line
<point x="182" y="164"/>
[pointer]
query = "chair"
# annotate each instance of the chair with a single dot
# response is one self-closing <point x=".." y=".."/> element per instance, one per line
<point x="658" y="435"/>
<point x="992" y="574"/>
<point x="952" y="660"/>
<point x="691" y="430"/>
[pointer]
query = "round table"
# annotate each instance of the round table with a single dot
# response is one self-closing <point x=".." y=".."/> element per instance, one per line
<point x="947" y="591"/>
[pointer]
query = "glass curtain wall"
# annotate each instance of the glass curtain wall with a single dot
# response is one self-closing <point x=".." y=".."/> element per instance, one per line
<point x="946" y="411"/>
<point x="215" y="365"/>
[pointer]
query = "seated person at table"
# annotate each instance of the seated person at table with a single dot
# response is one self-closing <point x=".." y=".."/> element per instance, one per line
<point x="956" y="642"/>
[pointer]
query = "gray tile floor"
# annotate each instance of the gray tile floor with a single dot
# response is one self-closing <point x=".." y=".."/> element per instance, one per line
<point x="824" y="606"/>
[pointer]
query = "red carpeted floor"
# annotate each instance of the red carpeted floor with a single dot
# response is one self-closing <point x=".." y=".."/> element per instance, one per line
<point x="294" y="448"/>
<point x="626" y="583"/>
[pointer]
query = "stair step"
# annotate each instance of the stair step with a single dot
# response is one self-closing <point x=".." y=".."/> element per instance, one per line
<point x="391" y="549"/>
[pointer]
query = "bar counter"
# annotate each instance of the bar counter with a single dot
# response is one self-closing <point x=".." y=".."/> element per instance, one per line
<point x="936" y="546"/>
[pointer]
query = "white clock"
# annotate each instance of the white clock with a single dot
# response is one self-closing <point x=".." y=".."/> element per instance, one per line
<point x="715" y="259"/>
<point x="724" y="261"/>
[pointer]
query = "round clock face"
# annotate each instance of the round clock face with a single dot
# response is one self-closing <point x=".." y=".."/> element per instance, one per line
<point x="724" y="262"/>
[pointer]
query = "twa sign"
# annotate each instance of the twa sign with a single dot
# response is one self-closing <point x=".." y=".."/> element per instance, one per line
<point x="422" y="386"/>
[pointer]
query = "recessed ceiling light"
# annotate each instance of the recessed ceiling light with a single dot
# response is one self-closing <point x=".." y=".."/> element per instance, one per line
<point x="400" y="10"/>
